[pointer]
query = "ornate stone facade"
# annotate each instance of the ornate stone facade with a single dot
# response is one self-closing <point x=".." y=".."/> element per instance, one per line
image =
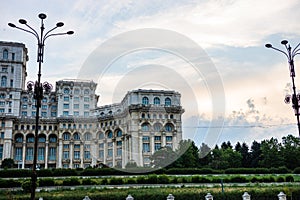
<point x="76" y="133"/>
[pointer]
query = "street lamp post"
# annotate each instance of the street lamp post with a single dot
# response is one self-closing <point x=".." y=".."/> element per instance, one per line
<point x="290" y="53"/>
<point x="38" y="87"/>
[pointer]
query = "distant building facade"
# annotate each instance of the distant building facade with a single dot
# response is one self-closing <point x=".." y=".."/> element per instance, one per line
<point x="73" y="131"/>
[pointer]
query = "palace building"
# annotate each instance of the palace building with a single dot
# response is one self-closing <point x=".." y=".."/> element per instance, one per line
<point x="74" y="132"/>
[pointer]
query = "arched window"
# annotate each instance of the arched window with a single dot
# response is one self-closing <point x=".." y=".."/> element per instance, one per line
<point x="42" y="138"/>
<point x="19" y="138"/>
<point x="157" y="127"/>
<point x="101" y="136"/>
<point x="66" y="91"/>
<point x="143" y="115"/>
<point x="76" y="91"/>
<point x="110" y="134"/>
<point x="3" y="81"/>
<point x="168" y="101"/>
<point x="145" y="127"/>
<point x="156" y="101"/>
<point x="86" y="92"/>
<point x="87" y="136"/>
<point x="52" y="139"/>
<point x="145" y="101"/>
<point x="76" y="136"/>
<point x="119" y="133"/>
<point x="5" y="54"/>
<point x="30" y="138"/>
<point x="169" y="127"/>
<point x="66" y="136"/>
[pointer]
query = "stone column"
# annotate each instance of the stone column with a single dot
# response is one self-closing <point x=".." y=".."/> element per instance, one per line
<point x="23" y="153"/>
<point x="60" y="152"/>
<point x="71" y="153"/>
<point x="46" y="154"/>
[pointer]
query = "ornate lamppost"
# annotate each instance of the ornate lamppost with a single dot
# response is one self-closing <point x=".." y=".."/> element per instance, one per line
<point x="290" y="53"/>
<point x="38" y="87"/>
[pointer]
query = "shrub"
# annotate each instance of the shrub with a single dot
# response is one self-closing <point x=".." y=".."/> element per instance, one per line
<point x="152" y="179"/>
<point x="131" y="181"/>
<point x="280" y="179"/>
<point x="104" y="181"/>
<point x="26" y="186"/>
<point x="88" y="181"/>
<point x="116" y="181"/>
<point x="46" y="182"/>
<point x="141" y="180"/>
<point x="71" y="182"/>
<point x="163" y="179"/>
<point x="289" y="178"/>
<point x="297" y="170"/>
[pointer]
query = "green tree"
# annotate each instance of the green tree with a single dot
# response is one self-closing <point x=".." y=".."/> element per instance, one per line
<point x="255" y="154"/>
<point x="290" y="151"/>
<point x="270" y="154"/>
<point x="244" y="150"/>
<point x="188" y="155"/>
<point x="163" y="157"/>
<point x="204" y="154"/>
<point x="225" y="158"/>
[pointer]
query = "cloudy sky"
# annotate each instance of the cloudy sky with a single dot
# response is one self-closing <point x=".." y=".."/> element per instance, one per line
<point x="228" y="35"/>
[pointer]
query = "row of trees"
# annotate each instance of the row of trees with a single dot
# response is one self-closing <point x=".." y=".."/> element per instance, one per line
<point x="267" y="153"/>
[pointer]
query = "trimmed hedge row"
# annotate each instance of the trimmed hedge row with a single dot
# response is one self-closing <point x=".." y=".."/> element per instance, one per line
<point x="148" y="179"/>
<point x="17" y="173"/>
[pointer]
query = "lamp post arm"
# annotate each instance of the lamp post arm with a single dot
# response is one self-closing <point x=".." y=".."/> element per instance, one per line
<point x="54" y="34"/>
<point x="296" y="49"/>
<point x="280" y="51"/>
<point x="33" y="33"/>
<point x="45" y="36"/>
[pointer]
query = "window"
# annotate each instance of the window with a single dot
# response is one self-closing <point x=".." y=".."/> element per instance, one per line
<point x="13" y="58"/>
<point x="157" y="127"/>
<point x="119" y="133"/>
<point x="87" y="136"/>
<point x="101" y="145"/>
<point x="66" y="155"/>
<point x="52" y="153"/>
<point x="156" y="101"/>
<point x="119" y="143"/>
<point x="2" y="103"/>
<point x="24" y="106"/>
<point x="53" y="114"/>
<point x="76" y="99"/>
<point x="24" y="113"/>
<point x="66" y="106"/>
<point x="86" y="92"/>
<point x="169" y="127"/>
<point x="4" y="69"/>
<point x="76" y="113"/>
<point x="87" y="155"/>
<point x="109" y="153"/>
<point x="146" y="138"/>
<point x="76" y="146"/>
<point x="119" y="152"/>
<point x="145" y="101"/>
<point x="169" y="138"/>
<point x="86" y="106"/>
<point x="41" y="153"/>
<point x="65" y="113"/>
<point x="87" y="146"/>
<point x="86" y="99"/>
<point x="101" y="136"/>
<point x="19" y="138"/>
<point x="44" y="114"/>
<point x="167" y="101"/>
<point x="110" y="134"/>
<point x="145" y="127"/>
<point x="3" y="81"/>
<point x="76" y="166"/>
<point x="66" y="146"/>
<point x="1" y="151"/>
<point x="110" y="144"/>
<point x="76" y="136"/>
<point x="66" y="136"/>
<point x="157" y="138"/>
<point x="76" y="155"/>
<point x="86" y="114"/>
<point x="44" y="100"/>
<point x="146" y="147"/>
<point x="2" y="110"/>
<point x="76" y="106"/>
<point x="2" y="96"/>
<point x="101" y="154"/>
<point x="29" y="153"/>
<point x="11" y="83"/>
<point x="18" y="153"/>
<point x="30" y="139"/>
<point x="42" y="139"/>
<point x="66" y="91"/>
<point x="76" y="91"/>
<point x="5" y="54"/>
<point x="66" y="98"/>
<point x="157" y="146"/>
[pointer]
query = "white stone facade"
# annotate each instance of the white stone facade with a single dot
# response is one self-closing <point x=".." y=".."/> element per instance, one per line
<point x="74" y="132"/>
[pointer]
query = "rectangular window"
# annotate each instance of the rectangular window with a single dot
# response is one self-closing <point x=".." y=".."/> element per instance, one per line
<point x="29" y="153"/>
<point x="76" y="113"/>
<point x="53" y="114"/>
<point x="2" y="124"/>
<point x="1" y="151"/>
<point x="169" y="138"/>
<point x="101" y="154"/>
<point x="76" y="155"/>
<point x="119" y="152"/>
<point x="33" y="113"/>
<point x="110" y="144"/>
<point x="76" y="99"/>
<point x="2" y="103"/>
<point x="157" y="138"/>
<point x="66" y="155"/>
<point x="24" y="106"/>
<point x="24" y="113"/>
<point x="44" y="107"/>
<point x="76" y="106"/>
<point x="18" y="153"/>
<point x="146" y="138"/>
<point x="87" y="146"/>
<point x="86" y="106"/>
<point x="86" y="114"/>
<point x="109" y="153"/>
<point x="66" y="146"/>
<point x="76" y="166"/>
<point x="87" y="155"/>
<point x="13" y="58"/>
<point x="2" y="110"/>
<point x="66" y="113"/>
<point x="86" y="99"/>
<point x="52" y="153"/>
<point x="66" y="106"/>
<point x="119" y="143"/>
<point x="11" y="83"/>
<point x="41" y="153"/>
<point x="76" y="146"/>
<point x="66" y="98"/>
<point x="157" y="146"/>
<point x="146" y="147"/>
<point x="44" y="114"/>
<point x="4" y="69"/>
<point x="2" y="135"/>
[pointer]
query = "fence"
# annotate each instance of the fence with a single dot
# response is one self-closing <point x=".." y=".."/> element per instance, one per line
<point x="209" y="196"/>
